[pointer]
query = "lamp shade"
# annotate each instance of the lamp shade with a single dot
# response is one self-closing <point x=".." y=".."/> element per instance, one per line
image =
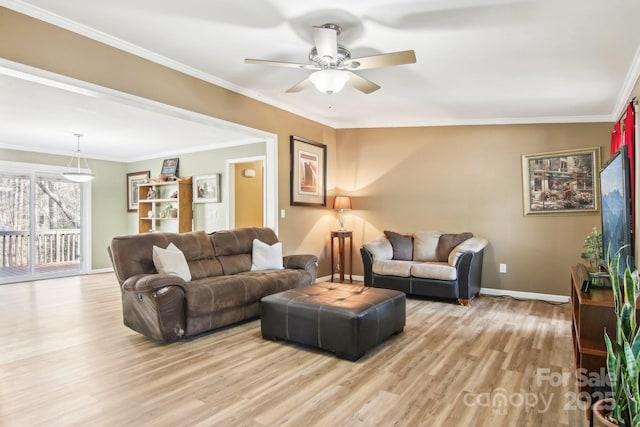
<point x="329" y="81"/>
<point x="342" y="202"/>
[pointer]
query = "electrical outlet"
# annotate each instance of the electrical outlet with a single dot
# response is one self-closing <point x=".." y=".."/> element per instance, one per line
<point x="503" y="268"/>
<point x="281" y="213"/>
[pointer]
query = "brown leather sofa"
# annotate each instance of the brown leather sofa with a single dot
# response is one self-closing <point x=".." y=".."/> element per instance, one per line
<point x="223" y="290"/>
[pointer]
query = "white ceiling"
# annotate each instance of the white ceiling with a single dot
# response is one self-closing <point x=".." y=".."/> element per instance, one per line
<point x="478" y="62"/>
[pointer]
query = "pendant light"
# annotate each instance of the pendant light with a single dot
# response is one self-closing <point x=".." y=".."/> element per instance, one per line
<point x="79" y="175"/>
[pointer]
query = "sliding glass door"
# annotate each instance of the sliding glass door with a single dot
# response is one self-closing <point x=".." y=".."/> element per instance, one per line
<point x="40" y="226"/>
<point x="15" y="225"/>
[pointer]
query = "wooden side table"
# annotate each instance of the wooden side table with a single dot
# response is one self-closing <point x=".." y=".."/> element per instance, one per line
<point x="341" y="235"/>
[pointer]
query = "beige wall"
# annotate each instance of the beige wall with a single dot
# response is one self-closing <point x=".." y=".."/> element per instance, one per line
<point x="407" y="179"/>
<point x="467" y="178"/>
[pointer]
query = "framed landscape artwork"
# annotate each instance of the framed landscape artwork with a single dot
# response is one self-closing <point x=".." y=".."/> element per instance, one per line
<point x="561" y="182"/>
<point x="206" y="188"/>
<point x="133" y="179"/>
<point x="308" y="172"/>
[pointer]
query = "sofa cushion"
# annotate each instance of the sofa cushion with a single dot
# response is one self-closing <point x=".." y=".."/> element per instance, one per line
<point x="380" y="249"/>
<point x="448" y="242"/>
<point x="171" y="261"/>
<point x="434" y="270"/>
<point x="402" y="245"/>
<point x="425" y="245"/>
<point x="209" y="295"/>
<point x="240" y="240"/>
<point x="474" y="244"/>
<point x="233" y="247"/>
<point x="392" y="268"/>
<point x="266" y="257"/>
<point x="133" y="255"/>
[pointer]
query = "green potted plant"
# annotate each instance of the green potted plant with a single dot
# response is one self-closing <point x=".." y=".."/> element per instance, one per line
<point x="592" y="251"/>
<point x="623" y="352"/>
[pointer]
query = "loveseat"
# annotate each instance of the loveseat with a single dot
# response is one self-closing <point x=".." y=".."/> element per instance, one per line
<point x="180" y="285"/>
<point x="426" y="263"/>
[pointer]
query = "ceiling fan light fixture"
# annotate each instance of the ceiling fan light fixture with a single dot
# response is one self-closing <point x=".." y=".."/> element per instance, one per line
<point x="78" y="175"/>
<point x="329" y="81"/>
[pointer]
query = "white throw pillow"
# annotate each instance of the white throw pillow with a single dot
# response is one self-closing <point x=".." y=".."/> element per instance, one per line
<point x="266" y="257"/>
<point x="171" y="261"/>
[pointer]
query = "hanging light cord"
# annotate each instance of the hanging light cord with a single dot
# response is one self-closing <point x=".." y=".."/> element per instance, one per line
<point x="78" y="135"/>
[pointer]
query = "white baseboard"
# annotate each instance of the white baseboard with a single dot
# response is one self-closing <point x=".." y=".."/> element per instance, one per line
<point x="524" y="295"/>
<point x="336" y="277"/>
<point x="488" y="291"/>
<point x="101" y="270"/>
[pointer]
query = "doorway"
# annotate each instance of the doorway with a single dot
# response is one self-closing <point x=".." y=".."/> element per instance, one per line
<point x="246" y="190"/>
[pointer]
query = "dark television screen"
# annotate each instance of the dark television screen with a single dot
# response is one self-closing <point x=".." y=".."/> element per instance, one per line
<point x="616" y="208"/>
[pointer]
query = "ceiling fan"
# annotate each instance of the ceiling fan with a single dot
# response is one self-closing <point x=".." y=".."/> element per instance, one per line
<point x="334" y="66"/>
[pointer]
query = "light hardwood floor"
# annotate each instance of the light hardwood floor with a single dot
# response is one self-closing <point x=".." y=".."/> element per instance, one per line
<point x="66" y="359"/>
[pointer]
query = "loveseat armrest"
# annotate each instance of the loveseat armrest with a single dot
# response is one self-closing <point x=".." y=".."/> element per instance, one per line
<point x="367" y="264"/>
<point x="474" y="245"/>
<point x="302" y="262"/>
<point x="469" y="270"/>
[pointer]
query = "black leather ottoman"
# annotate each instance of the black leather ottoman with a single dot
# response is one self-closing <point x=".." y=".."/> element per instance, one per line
<point x="345" y="319"/>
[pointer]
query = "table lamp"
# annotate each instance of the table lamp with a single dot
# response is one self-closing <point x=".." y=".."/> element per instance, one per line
<point x="342" y="203"/>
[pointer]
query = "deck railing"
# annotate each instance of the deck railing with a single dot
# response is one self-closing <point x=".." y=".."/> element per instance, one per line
<point x="52" y="246"/>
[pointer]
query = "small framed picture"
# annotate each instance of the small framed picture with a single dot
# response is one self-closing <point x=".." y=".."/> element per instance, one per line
<point x="133" y="194"/>
<point x="206" y="188"/>
<point x="170" y="167"/>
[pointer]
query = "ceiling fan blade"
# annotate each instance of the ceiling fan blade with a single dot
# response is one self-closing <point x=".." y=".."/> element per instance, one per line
<point x="383" y="60"/>
<point x="281" y="64"/>
<point x="362" y="84"/>
<point x="326" y="41"/>
<point x="299" y="86"/>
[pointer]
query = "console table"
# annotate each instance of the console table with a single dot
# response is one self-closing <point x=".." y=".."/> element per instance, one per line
<point x="341" y="235"/>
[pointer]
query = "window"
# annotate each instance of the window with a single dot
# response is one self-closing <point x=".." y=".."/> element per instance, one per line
<point x="41" y="223"/>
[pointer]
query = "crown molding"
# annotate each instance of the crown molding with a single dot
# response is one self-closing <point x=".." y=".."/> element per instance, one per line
<point x="481" y="122"/>
<point x="633" y="75"/>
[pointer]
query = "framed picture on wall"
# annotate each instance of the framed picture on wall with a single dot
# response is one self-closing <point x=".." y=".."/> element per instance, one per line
<point x="170" y="167"/>
<point x="206" y="188"/>
<point x="133" y="179"/>
<point x="308" y="172"/>
<point x="561" y="182"/>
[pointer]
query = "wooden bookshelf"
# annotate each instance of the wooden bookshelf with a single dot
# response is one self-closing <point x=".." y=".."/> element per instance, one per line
<point x="174" y="194"/>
